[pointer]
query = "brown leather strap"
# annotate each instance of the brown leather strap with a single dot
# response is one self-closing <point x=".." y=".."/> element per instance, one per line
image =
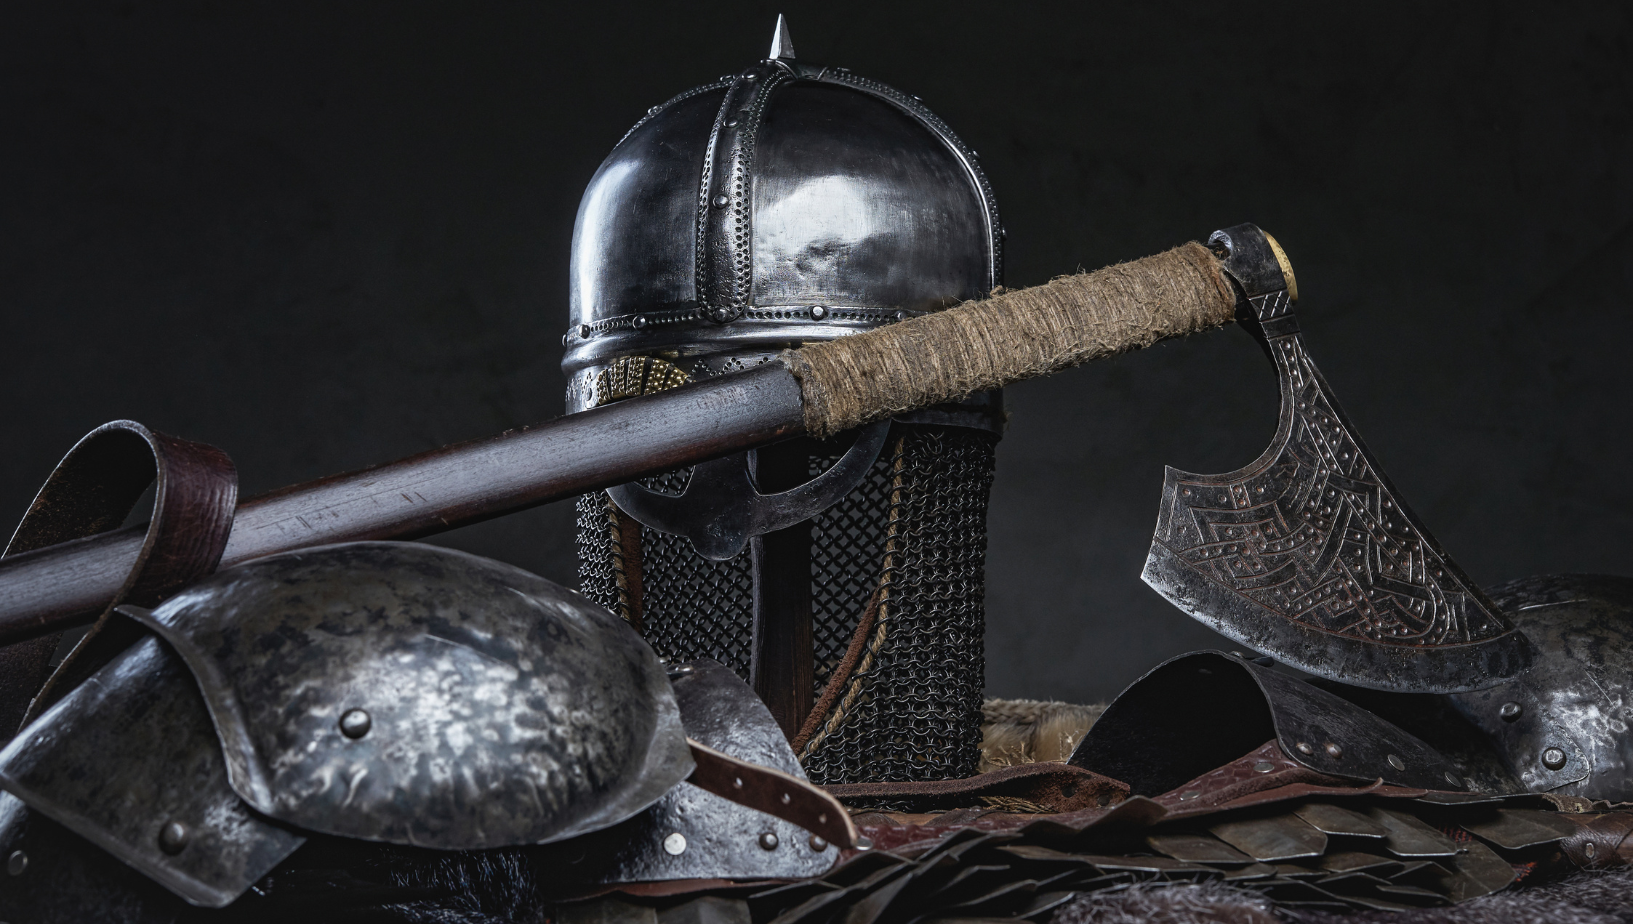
<point x="766" y="789"/>
<point x="92" y="491"/>
<point x="1049" y="787"/>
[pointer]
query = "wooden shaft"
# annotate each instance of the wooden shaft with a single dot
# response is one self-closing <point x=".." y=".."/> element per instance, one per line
<point x="68" y="584"/>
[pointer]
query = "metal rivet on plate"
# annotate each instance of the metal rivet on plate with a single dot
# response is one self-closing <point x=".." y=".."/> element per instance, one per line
<point x="1554" y="758"/>
<point x="174" y="837"/>
<point x="817" y="843"/>
<point x="1453" y="779"/>
<point x="1509" y="712"/>
<point x="640" y="322"/>
<point x="585" y="330"/>
<point x="355" y="723"/>
<point x="1190" y="794"/>
<point x="17" y="863"/>
<point x="1588" y="849"/>
<point x="767" y="840"/>
<point x="1263" y="766"/>
<point x="732" y="122"/>
<point x="1396" y="762"/>
<point x="818" y="312"/>
<point x="674" y="844"/>
<point x="1332" y="750"/>
<point x="1303" y="747"/>
<point x="739" y="783"/>
<point x="785" y="798"/>
<point x="719" y="201"/>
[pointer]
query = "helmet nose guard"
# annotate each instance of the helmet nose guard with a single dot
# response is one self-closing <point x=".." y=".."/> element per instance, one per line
<point x="416" y="695"/>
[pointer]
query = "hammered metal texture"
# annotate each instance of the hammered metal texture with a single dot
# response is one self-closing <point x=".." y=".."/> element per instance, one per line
<point x="144" y="709"/>
<point x="718" y="838"/>
<point x="503" y="709"/>
<point x="1309" y="555"/>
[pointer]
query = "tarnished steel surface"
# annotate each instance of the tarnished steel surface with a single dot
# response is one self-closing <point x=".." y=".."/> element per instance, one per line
<point x="1280" y="836"/>
<point x="721" y="507"/>
<point x="417" y="695"/>
<point x="50" y="875"/>
<point x="1567" y="724"/>
<point x="129" y="761"/>
<point x="1202" y="710"/>
<point x="1310" y="556"/>
<point x="786" y="203"/>
<point x="710" y="837"/>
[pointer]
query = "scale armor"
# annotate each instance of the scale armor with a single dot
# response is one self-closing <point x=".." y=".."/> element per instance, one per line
<point x="783" y="205"/>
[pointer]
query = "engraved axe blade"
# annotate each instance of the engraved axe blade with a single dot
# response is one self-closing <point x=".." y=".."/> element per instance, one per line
<point x="1308" y="554"/>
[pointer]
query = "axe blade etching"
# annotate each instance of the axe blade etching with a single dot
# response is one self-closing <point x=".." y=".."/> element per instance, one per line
<point x="1310" y="556"/>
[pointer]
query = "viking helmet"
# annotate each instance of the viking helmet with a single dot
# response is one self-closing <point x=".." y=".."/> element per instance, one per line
<point x="787" y="204"/>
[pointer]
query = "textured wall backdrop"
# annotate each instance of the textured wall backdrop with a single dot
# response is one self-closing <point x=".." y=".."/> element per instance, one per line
<point x="323" y="235"/>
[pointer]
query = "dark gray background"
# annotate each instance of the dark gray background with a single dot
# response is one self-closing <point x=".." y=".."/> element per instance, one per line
<point x="322" y="235"/>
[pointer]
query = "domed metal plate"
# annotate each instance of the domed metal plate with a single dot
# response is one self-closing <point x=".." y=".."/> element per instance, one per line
<point x="503" y="709"/>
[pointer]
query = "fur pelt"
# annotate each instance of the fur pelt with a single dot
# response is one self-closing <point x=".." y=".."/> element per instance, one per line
<point x="1026" y="731"/>
<point x="1588" y="898"/>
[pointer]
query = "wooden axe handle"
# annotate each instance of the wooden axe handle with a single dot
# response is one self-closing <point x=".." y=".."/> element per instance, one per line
<point x="837" y="385"/>
<point x="979" y="345"/>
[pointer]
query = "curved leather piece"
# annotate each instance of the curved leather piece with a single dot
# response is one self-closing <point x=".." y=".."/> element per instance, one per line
<point x="91" y="491"/>
<point x="1204" y="710"/>
<point x="121" y="758"/>
<point x="416" y="695"/>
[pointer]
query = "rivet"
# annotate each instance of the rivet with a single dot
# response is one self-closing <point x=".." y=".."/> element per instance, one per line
<point x="818" y="312"/>
<point x="1263" y="766"/>
<point x="640" y="322"/>
<point x="1332" y="750"/>
<point x="739" y="783"/>
<point x="355" y="723"/>
<point x="1588" y="849"/>
<point x="722" y="315"/>
<point x="863" y="843"/>
<point x="1509" y="712"/>
<point x="817" y="843"/>
<point x="785" y="798"/>
<point x="1554" y="758"/>
<point x="767" y="840"/>
<point x="585" y="330"/>
<point x="17" y="863"/>
<point x="1190" y="794"/>
<point x="174" y="837"/>
<point x="900" y="316"/>
<point x="731" y="122"/>
<point x="1303" y="747"/>
<point x="719" y="201"/>
<point x="1453" y="779"/>
<point x="1395" y="762"/>
<point x="674" y="844"/>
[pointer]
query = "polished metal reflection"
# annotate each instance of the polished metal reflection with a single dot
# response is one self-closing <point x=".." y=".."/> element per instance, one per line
<point x="737" y="219"/>
<point x="503" y="709"/>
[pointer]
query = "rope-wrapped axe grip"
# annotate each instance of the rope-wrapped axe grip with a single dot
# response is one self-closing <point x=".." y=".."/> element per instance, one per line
<point x="1010" y="336"/>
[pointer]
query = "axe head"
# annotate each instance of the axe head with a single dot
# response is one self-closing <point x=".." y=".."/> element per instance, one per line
<point x="1308" y="554"/>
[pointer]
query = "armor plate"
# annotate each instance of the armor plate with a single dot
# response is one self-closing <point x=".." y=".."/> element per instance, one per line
<point x="417" y="695"/>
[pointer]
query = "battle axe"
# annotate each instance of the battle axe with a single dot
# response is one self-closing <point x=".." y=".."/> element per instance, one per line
<point x="1308" y="553"/>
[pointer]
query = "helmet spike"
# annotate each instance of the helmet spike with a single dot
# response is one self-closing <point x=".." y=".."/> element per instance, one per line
<point x="781" y="47"/>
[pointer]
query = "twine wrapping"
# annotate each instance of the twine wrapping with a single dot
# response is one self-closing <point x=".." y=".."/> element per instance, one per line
<point x="1016" y="335"/>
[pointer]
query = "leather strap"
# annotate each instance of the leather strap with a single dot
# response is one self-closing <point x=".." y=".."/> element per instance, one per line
<point x="92" y="491"/>
<point x="1048" y="787"/>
